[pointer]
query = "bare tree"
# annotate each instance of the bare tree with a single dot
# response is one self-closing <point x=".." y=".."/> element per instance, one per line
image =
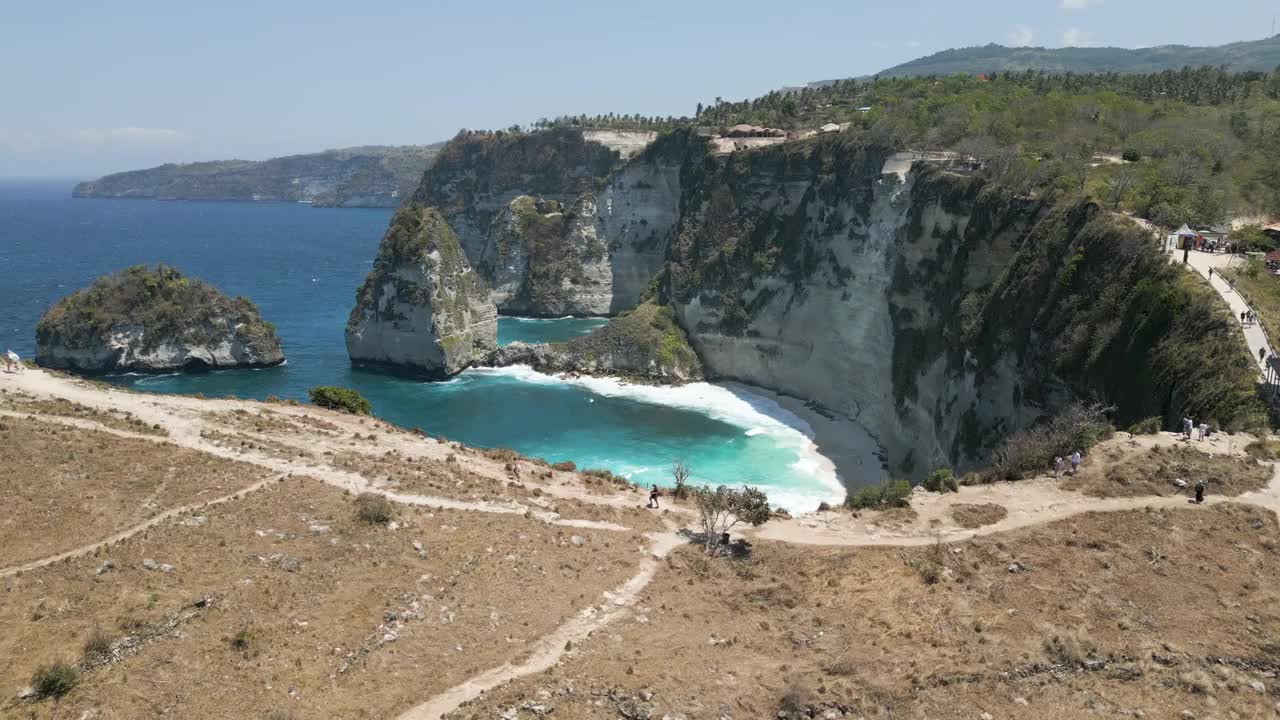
<point x="721" y="509"/>
<point x="1123" y="178"/>
<point x="680" y="473"/>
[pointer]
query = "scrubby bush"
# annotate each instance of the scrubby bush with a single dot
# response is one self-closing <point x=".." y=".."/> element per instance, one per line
<point x="55" y="680"/>
<point x="1078" y="427"/>
<point x="242" y="640"/>
<point x="339" y="398"/>
<point x="892" y="494"/>
<point x="941" y="480"/>
<point x="97" y="647"/>
<point x="1131" y="155"/>
<point x="721" y="509"/>
<point x="374" y="509"/>
<point x="607" y="476"/>
<point x="1149" y="426"/>
<point x="565" y="466"/>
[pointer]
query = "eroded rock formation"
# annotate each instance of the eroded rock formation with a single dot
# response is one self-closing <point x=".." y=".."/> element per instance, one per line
<point x="421" y="308"/>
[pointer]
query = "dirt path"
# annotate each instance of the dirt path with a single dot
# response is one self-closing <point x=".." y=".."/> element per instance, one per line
<point x="1202" y="263"/>
<point x="549" y="649"/>
<point x="131" y="531"/>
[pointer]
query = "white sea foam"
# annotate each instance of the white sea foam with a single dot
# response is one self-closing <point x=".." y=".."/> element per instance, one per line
<point x="733" y="404"/>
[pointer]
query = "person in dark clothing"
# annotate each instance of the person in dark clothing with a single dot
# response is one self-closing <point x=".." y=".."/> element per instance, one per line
<point x="1262" y="354"/>
<point x="653" y="497"/>
<point x="1199" y="491"/>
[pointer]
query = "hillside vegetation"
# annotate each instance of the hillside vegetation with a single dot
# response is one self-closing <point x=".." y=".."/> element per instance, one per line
<point x="1261" y="55"/>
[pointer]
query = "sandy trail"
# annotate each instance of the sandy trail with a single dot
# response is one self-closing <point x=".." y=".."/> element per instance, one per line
<point x="549" y="649"/>
<point x="183" y="418"/>
<point x="140" y="527"/>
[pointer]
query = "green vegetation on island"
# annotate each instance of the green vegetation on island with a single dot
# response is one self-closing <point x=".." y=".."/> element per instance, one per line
<point x="153" y="307"/>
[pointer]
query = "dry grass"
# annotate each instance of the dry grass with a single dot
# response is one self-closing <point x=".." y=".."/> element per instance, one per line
<point x="115" y="419"/>
<point x="63" y="487"/>
<point x="975" y="516"/>
<point x="297" y="598"/>
<point x="1153" y="471"/>
<point x="1086" y="626"/>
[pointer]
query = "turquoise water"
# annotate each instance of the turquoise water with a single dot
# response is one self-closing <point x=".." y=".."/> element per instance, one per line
<point x="541" y="330"/>
<point x="302" y="265"/>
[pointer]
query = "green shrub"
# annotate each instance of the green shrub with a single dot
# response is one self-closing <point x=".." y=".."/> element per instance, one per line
<point x="1150" y="426"/>
<point x="339" y="398"/>
<point x="1131" y="155"/>
<point x="374" y="509"/>
<point x="55" y="680"/>
<point x="242" y="640"/>
<point x="892" y="494"/>
<point x="941" y="480"/>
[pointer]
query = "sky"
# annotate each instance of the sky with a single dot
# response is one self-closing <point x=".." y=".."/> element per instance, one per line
<point x="88" y="88"/>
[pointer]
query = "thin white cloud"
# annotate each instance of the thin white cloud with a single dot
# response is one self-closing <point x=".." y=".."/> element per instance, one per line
<point x="1078" y="4"/>
<point x="1075" y="37"/>
<point x="912" y="43"/>
<point x="879" y="44"/>
<point x="1021" y="36"/>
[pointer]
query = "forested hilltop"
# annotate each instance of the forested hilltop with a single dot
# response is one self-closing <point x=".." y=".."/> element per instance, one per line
<point x="1197" y="145"/>
<point x="368" y="176"/>
<point x="1261" y="55"/>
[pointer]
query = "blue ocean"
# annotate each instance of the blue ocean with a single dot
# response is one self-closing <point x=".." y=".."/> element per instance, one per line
<point x="301" y="265"/>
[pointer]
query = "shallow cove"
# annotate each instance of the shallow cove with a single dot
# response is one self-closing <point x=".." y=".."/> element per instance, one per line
<point x="301" y="266"/>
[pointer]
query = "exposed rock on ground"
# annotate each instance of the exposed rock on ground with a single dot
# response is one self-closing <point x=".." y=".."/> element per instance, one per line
<point x="154" y="320"/>
<point x="421" y="308"/>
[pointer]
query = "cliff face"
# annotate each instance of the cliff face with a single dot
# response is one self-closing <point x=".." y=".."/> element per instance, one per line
<point x="153" y="320"/>
<point x="353" y="177"/>
<point x="561" y="222"/>
<point x="938" y="313"/>
<point x="421" y="308"/>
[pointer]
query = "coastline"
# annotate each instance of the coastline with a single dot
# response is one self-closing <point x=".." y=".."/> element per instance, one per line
<point x="848" y="445"/>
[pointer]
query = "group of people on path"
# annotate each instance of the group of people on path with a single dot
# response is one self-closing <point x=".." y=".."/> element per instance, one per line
<point x="1059" y="465"/>
<point x="1189" y="426"/>
<point x="1248" y="317"/>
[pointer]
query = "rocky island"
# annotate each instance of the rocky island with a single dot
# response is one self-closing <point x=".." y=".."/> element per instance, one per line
<point x="367" y="176"/>
<point x="421" y="308"/>
<point x="154" y="319"/>
<point x="643" y="344"/>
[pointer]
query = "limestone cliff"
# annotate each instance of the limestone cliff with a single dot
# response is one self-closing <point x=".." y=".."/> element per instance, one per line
<point x="421" y="308"/>
<point x="153" y="320"/>
<point x="939" y="313"/>
<point x="561" y="221"/>
<point x="643" y="344"/>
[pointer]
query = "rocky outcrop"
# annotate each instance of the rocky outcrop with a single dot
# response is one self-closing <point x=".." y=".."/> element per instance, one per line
<point x="421" y="308"/>
<point x="373" y="176"/>
<point x="645" y="344"/>
<point x="154" y="320"/>
<point x="562" y="222"/>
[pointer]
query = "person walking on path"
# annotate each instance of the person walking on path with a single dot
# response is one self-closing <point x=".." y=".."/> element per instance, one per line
<point x="1186" y="427"/>
<point x="1262" y="354"/>
<point x="653" y="497"/>
<point x="1211" y="275"/>
<point x="1057" y="467"/>
<point x="1199" y="491"/>
<point x="12" y="362"/>
<point x="1075" y="462"/>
